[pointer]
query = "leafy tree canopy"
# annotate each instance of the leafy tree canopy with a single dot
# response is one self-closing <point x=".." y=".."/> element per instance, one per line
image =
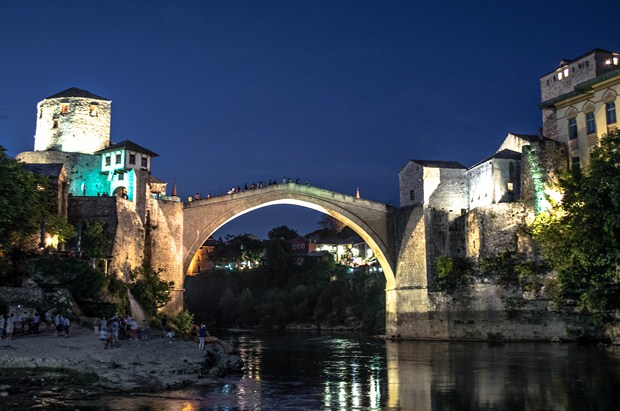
<point x="282" y="232"/>
<point x="580" y="237"/>
<point x="24" y="201"/>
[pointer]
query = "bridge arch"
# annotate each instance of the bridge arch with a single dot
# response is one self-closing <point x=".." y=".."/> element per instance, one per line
<point x="368" y="219"/>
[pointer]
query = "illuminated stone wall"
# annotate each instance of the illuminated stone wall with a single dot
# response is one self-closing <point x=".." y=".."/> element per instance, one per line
<point x="76" y="129"/>
<point x="124" y="227"/>
<point x="166" y="246"/>
<point x="543" y="162"/>
<point x="433" y="185"/>
<point x="488" y="181"/>
<point x="83" y="170"/>
<point x="494" y="229"/>
<point x="480" y="312"/>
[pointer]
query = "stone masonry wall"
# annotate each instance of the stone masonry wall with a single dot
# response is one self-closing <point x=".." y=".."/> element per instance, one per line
<point x="124" y="227"/>
<point x="79" y="168"/>
<point x="543" y="163"/>
<point x="166" y="244"/>
<point x="494" y="229"/>
<point x="481" y="312"/>
<point x="78" y="130"/>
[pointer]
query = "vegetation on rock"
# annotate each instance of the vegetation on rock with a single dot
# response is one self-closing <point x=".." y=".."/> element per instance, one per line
<point x="580" y="236"/>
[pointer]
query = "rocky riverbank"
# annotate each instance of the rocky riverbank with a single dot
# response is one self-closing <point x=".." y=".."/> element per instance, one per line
<point x="38" y="369"/>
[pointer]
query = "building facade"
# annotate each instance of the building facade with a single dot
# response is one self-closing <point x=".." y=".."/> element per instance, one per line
<point x="579" y="102"/>
<point x="111" y="183"/>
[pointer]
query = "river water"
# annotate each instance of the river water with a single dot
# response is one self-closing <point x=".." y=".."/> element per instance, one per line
<point x="326" y="371"/>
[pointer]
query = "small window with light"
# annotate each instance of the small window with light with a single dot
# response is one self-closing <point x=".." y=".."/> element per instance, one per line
<point x="93" y="110"/>
<point x="510" y="187"/>
<point x="64" y="108"/>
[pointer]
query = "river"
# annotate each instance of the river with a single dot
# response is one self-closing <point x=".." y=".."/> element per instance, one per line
<point x="331" y="371"/>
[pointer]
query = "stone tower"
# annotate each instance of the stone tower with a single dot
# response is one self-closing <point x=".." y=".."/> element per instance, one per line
<point x="74" y="121"/>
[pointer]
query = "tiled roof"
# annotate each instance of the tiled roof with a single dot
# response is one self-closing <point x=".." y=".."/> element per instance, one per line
<point x="504" y="154"/>
<point x="77" y="92"/>
<point x="128" y="145"/>
<point x="439" y="164"/>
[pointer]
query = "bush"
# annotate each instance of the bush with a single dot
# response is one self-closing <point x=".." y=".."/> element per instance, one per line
<point x="452" y="272"/>
<point x="183" y="322"/>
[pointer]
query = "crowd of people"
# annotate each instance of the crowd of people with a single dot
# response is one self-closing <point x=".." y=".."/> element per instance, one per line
<point x="23" y="323"/>
<point x="120" y="327"/>
<point x="109" y="330"/>
<point x="252" y="186"/>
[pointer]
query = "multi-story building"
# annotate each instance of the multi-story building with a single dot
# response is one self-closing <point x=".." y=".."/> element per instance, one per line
<point x="579" y="100"/>
<point x="110" y="183"/>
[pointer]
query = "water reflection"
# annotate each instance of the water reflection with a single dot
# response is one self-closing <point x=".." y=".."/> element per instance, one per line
<point x="327" y="372"/>
<point x="520" y="376"/>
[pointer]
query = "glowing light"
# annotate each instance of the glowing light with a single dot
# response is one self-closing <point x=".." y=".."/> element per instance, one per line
<point x="540" y="199"/>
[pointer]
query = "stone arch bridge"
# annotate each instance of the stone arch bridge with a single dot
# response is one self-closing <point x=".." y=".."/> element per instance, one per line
<point x="395" y="235"/>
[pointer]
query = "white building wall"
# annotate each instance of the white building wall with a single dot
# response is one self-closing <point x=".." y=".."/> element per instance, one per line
<point x="83" y="127"/>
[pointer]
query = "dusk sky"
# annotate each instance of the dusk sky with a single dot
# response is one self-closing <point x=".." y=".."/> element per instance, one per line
<point x="340" y="93"/>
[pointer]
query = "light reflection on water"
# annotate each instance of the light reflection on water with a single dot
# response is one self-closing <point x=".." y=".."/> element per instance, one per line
<point x="326" y="372"/>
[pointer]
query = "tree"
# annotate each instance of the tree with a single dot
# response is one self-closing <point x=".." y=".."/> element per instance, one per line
<point x="24" y="202"/>
<point x="149" y="289"/>
<point x="331" y="225"/>
<point x="580" y="236"/>
<point x="95" y="240"/>
<point x="282" y="232"/>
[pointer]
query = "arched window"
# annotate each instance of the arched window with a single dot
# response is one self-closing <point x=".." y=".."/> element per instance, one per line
<point x="588" y="109"/>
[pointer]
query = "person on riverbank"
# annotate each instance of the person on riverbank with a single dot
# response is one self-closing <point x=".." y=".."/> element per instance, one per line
<point x="36" y="322"/>
<point x="65" y="325"/>
<point x="144" y="330"/>
<point x="2" y="322"/>
<point x="164" y="326"/>
<point x="9" y="327"/>
<point x="96" y="325"/>
<point x="104" y="324"/>
<point x="115" y="329"/>
<point x="202" y="335"/>
<point x="48" y="319"/>
<point x="134" y="327"/>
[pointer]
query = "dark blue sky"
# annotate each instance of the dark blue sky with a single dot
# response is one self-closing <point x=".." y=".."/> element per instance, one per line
<point x="342" y="93"/>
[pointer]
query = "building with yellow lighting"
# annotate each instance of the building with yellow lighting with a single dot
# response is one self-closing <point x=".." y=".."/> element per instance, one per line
<point x="579" y="101"/>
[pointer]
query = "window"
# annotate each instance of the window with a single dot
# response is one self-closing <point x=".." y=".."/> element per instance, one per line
<point x="610" y="109"/>
<point x="144" y="162"/>
<point x="55" y="125"/>
<point x="93" y="110"/>
<point x="108" y="160"/>
<point x="572" y="128"/>
<point x="118" y="158"/>
<point x="121" y="176"/>
<point x="64" y="108"/>
<point x="412" y="195"/>
<point x="132" y="159"/>
<point x="510" y="187"/>
<point x="590" y="123"/>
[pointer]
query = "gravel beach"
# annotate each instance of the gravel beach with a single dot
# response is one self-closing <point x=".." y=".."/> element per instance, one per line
<point x="34" y="366"/>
